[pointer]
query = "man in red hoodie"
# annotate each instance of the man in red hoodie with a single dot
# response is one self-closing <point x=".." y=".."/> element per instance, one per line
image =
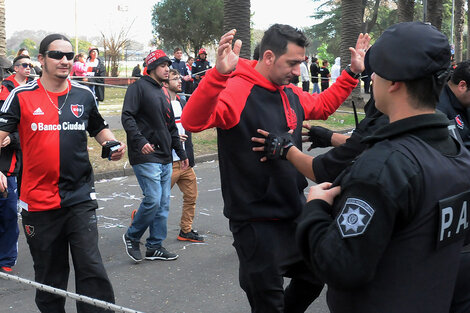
<point x="263" y="200"/>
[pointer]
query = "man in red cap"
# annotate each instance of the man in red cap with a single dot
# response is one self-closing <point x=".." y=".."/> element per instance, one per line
<point x="200" y="67"/>
<point x="151" y="135"/>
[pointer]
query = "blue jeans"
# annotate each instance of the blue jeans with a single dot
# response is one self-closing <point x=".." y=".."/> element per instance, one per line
<point x="9" y="230"/>
<point x="316" y="88"/>
<point x="155" y="182"/>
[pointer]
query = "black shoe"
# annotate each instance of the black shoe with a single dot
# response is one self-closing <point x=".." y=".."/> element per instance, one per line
<point x="192" y="236"/>
<point x="132" y="248"/>
<point x="160" y="254"/>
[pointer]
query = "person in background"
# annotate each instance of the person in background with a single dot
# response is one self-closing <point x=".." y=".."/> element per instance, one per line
<point x="10" y="165"/>
<point x="35" y="70"/>
<point x="314" y="71"/>
<point x="136" y="71"/>
<point x="454" y="100"/>
<point x="152" y="134"/>
<point x="305" y="76"/>
<point x="79" y="69"/>
<point x="335" y="69"/>
<point x="200" y="66"/>
<point x="185" y="178"/>
<point x="178" y="64"/>
<point x="189" y="83"/>
<point x="95" y="70"/>
<point x="325" y="76"/>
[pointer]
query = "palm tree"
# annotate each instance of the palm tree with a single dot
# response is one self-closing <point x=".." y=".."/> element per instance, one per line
<point x="405" y="10"/>
<point x="351" y="23"/>
<point x="459" y="18"/>
<point x="434" y="13"/>
<point x="468" y="30"/>
<point x="4" y="62"/>
<point x="237" y="15"/>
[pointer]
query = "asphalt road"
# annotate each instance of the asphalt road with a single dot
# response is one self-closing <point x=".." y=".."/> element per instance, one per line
<point x="203" y="279"/>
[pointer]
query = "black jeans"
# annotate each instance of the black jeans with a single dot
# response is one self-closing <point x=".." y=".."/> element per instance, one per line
<point x="267" y="252"/>
<point x="50" y="234"/>
<point x="306" y="86"/>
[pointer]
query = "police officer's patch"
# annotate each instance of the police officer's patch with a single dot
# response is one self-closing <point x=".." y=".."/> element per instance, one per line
<point x="354" y="217"/>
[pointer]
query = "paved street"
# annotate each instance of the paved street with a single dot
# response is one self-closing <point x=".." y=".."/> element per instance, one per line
<point x="203" y="279"/>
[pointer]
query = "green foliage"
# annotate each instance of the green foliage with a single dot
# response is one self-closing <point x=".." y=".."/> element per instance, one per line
<point x="31" y="46"/>
<point x="187" y="24"/>
<point x="83" y="45"/>
<point x="323" y="54"/>
<point x="328" y="30"/>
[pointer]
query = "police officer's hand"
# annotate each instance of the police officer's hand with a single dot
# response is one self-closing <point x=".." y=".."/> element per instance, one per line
<point x="6" y="141"/>
<point x="184" y="164"/>
<point x="320" y="137"/>
<point x="3" y="182"/>
<point x="358" y="53"/>
<point x="323" y="192"/>
<point x="275" y="146"/>
<point x="227" y="58"/>
<point x="148" y="148"/>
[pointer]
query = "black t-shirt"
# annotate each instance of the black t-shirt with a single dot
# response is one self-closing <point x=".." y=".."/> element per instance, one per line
<point x="324" y="72"/>
<point x="314" y="70"/>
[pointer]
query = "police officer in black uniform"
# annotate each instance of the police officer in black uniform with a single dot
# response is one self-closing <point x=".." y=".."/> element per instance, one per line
<point x="200" y="66"/>
<point x="388" y="239"/>
<point x="455" y="100"/>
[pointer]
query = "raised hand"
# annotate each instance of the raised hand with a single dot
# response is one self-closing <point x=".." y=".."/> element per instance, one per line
<point x="227" y="57"/>
<point x="358" y="53"/>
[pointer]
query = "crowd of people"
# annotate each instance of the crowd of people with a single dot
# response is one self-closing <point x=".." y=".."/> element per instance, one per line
<point x="385" y="228"/>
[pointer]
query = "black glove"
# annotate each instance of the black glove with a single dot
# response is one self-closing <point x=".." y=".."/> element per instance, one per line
<point x="320" y="137"/>
<point x="276" y="146"/>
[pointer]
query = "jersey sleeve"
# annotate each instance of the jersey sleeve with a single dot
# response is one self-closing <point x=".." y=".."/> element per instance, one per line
<point x="96" y="122"/>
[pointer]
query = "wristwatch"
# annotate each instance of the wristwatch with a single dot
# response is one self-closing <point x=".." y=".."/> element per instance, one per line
<point x="351" y="73"/>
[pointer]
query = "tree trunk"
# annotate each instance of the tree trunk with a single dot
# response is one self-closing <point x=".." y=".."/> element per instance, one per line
<point x="434" y="13"/>
<point x="351" y="22"/>
<point x="237" y="15"/>
<point x="468" y="31"/>
<point x="458" y="31"/>
<point x="368" y="25"/>
<point x="405" y="10"/>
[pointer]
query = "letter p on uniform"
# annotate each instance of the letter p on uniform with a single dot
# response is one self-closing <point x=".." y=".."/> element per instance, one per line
<point x="446" y="221"/>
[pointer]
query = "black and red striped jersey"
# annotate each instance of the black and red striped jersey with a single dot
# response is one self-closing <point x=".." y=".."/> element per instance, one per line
<point x="53" y="133"/>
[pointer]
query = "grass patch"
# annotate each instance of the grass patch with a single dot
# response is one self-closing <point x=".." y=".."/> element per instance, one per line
<point x="338" y="121"/>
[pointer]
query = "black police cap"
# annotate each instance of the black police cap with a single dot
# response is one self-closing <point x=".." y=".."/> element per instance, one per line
<point x="408" y="51"/>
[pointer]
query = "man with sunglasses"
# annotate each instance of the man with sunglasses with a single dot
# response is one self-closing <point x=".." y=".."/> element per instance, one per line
<point x="10" y="163"/>
<point x="58" y="199"/>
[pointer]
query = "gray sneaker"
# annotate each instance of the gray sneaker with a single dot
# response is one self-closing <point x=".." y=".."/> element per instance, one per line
<point x="132" y="248"/>
<point x="160" y="254"/>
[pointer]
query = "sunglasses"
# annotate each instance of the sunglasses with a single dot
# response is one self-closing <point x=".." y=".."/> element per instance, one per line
<point x="25" y="65"/>
<point x="58" y="55"/>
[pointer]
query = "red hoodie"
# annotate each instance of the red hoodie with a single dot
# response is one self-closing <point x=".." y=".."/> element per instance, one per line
<point x="240" y="103"/>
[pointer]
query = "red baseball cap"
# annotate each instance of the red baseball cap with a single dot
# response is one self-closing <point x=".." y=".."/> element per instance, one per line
<point x="201" y="51"/>
<point x="156" y="58"/>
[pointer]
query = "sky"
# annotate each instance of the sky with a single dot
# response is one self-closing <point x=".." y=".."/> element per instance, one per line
<point x="96" y="16"/>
